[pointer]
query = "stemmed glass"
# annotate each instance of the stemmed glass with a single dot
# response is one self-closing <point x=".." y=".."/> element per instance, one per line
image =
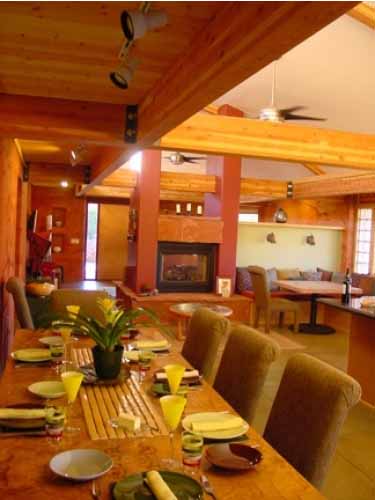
<point x="72" y="381"/>
<point x="172" y="407"/>
<point x="66" y="334"/>
<point x="174" y="375"/>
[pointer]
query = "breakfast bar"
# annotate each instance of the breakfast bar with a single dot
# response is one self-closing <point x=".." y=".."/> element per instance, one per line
<point x="361" y="355"/>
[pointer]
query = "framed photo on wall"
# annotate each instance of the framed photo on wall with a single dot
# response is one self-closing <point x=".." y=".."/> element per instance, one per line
<point x="224" y="287"/>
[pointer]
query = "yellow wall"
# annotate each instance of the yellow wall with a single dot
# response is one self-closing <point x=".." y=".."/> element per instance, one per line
<point x="291" y="249"/>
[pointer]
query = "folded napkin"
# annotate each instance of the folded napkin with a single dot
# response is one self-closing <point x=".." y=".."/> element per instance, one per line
<point x="150" y="344"/>
<point x="26" y="413"/>
<point x="162" y="376"/>
<point x="158" y="486"/>
<point x="221" y="424"/>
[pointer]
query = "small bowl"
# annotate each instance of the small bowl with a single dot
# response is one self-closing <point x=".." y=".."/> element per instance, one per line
<point x="233" y="456"/>
<point x="81" y="465"/>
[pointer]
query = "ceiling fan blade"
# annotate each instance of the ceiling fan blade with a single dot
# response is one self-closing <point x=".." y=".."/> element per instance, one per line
<point x="190" y="160"/>
<point x="290" y="110"/>
<point x="291" y="116"/>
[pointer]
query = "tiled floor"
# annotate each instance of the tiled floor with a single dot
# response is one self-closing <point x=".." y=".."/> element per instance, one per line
<point x="352" y="473"/>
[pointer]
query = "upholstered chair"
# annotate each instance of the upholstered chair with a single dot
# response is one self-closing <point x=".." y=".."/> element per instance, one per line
<point x="264" y="302"/>
<point x="309" y="410"/>
<point x="16" y="287"/>
<point x="86" y="299"/>
<point x="243" y="369"/>
<point x="206" y="331"/>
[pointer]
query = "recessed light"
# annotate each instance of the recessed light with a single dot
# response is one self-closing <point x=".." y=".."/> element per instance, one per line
<point x="64" y="184"/>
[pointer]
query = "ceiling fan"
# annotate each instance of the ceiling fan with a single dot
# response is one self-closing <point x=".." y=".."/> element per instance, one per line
<point x="273" y="114"/>
<point x="178" y="158"/>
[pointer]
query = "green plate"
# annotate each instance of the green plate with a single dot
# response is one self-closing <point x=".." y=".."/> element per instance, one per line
<point x="48" y="389"/>
<point x="134" y="488"/>
<point x="161" y="389"/>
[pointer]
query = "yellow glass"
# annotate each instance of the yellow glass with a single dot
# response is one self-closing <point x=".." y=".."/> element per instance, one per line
<point x="72" y="382"/>
<point x="172" y="407"/>
<point x="65" y="333"/>
<point x="174" y="376"/>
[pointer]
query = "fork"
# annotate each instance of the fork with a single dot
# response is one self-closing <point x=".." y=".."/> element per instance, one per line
<point x="208" y="487"/>
<point x="95" y="490"/>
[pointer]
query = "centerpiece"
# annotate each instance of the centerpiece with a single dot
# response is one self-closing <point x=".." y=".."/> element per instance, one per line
<point x="117" y="322"/>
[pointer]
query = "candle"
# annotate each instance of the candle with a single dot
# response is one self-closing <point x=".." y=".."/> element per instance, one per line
<point x="188" y="208"/>
<point x="49" y="222"/>
<point x="178" y="209"/>
<point x="199" y="209"/>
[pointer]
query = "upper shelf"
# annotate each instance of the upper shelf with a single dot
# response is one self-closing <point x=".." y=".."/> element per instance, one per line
<point x="298" y="226"/>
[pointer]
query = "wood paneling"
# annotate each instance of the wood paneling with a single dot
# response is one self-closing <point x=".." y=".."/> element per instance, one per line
<point x="190" y="229"/>
<point x="72" y="256"/>
<point x="315" y="169"/>
<point x="45" y="174"/>
<point x="12" y="250"/>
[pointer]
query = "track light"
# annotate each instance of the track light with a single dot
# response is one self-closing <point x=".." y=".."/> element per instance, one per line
<point x="77" y="154"/>
<point x="123" y="74"/>
<point x="135" y="24"/>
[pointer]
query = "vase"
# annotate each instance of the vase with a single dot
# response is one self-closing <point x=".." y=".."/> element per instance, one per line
<point x="107" y="363"/>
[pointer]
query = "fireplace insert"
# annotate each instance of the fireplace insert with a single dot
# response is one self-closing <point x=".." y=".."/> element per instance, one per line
<point x="186" y="267"/>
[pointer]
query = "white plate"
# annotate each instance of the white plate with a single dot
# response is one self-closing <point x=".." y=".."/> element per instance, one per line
<point x="49" y="389"/>
<point x="54" y="340"/>
<point x="81" y="465"/>
<point x="153" y="349"/>
<point x="208" y="416"/>
<point x="31" y="355"/>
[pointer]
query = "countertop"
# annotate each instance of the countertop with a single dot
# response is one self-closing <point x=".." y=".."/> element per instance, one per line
<point x="354" y="306"/>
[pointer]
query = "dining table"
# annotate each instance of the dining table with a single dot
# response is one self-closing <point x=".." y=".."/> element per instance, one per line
<point x="314" y="290"/>
<point x="24" y="460"/>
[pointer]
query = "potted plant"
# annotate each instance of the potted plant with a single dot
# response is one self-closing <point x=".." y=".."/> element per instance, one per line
<point x="107" y="352"/>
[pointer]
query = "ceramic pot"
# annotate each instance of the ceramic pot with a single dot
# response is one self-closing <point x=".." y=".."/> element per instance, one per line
<point x="107" y="363"/>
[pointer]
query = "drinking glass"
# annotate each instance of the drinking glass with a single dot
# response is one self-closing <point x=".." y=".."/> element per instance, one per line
<point x="172" y="408"/>
<point x="174" y="376"/>
<point x="72" y="381"/>
<point x="55" y="421"/>
<point x="57" y="353"/>
<point x="144" y="362"/>
<point x="66" y="334"/>
<point x="192" y="448"/>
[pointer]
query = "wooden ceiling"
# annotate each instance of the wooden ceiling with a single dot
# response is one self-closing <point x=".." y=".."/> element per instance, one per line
<point x="67" y="49"/>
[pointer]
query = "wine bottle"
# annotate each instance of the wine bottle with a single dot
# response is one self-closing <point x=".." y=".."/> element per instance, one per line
<point x="346" y="288"/>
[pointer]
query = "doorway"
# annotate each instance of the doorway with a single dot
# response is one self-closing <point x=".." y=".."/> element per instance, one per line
<point x="91" y="241"/>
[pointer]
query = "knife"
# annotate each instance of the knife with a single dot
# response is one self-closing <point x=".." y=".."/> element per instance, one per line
<point x="208" y="487"/>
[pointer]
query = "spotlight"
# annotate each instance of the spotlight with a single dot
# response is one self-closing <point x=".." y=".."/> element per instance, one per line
<point x="64" y="184"/>
<point x="135" y="24"/>
<point x="123" y="75"/>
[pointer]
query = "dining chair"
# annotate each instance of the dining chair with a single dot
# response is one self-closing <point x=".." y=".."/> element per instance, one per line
<point x="310" y="407"/>
<point x="264" y="302"/>
<point x="243" y="369"/>
<point x="86" y="299"/>
<point x="206" y="331"/>
<point x="16" y="287"/>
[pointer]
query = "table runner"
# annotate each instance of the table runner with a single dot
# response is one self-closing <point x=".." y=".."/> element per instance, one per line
<point x="102" y="402"/>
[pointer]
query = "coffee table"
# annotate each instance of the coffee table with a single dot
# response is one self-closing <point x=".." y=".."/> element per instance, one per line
<point x="314" y="289"/>
<point x="184" y="312"/>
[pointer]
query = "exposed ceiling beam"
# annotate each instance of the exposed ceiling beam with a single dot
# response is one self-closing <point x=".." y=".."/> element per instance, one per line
<point x="225" y="54"/>
<point x="315" y="169"/>
<point x="260" y="188"/>
<point x="364" y="14"/>
<point x="42" y="175"/>
<point x="122" y="192"/>
<point x="333" y="185"/>
<point x="220" y="135"/>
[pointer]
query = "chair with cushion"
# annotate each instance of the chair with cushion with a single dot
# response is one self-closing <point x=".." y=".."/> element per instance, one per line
<point x="16" y="287"/>
<point x="86" y="299"/>
<point x="243" y="369"/>
<point x="264" y="302"/>
<point x="309" y="410"/>
<point x="206" y="331"/>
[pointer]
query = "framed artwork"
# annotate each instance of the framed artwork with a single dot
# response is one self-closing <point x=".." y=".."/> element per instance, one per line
<point x="224" y="287"/>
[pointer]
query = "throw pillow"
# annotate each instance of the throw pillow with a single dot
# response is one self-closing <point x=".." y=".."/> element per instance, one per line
<point x="288" y="274"/>
<point x="271" y="277"/>
<point x="326" y="275"/>
<point x="312" y="275"/>
<point x="338" y="277"/>
<point x="356" y="278"/>
<point x="243" y="279"/>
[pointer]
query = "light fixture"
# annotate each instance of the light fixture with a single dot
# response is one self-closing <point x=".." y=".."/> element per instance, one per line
<point x="64" y="184"/>
<point x="123" y="75"/>
<point x="77" y="154"/>
<point x="135" y="23"/>
<point x="280" y="216"/>
<point x="310" y="240"/>
<point x="271" y="238"/>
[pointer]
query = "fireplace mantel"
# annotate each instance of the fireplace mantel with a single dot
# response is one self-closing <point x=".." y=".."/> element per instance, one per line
<point x="185" y="229"/>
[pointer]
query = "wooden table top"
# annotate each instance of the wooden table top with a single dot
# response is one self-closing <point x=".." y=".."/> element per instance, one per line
<point x="187" y="309"/>
<point x="24" y="471"/>
<point x="310" y="287"/>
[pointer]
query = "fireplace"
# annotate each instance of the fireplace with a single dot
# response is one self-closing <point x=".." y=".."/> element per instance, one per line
<point x="186" y="267"/>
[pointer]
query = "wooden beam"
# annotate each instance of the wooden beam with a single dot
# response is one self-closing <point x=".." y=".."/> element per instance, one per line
<point x="364" y="14"/>
<point x="316" y="169"/>
<point x="224" y="135"/>
<point x="41" y="174"/>
<point x="333" y="185"/>
<point x="262" y="188"/>
<point x="121" y="192"/>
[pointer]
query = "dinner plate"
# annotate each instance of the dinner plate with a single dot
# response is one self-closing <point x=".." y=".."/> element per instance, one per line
<point x="233" y="456"/>
<point x="160" y="389"/>
<point x="163" y="348"/>
<point x="209" y="416"/>
<point x="81" y="465"/>
<point x="134" y="487"/>
<point x="31" y="355"/>
<point x="49" y="389"/>
<point x="54" y="340"/>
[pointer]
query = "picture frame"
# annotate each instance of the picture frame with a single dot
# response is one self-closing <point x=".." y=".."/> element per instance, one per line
<point x="224" y="286"/>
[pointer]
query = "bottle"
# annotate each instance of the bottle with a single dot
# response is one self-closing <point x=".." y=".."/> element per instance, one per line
<point x="346" y="288"/>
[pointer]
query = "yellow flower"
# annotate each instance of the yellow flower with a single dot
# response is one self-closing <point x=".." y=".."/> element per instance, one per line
<point x="73" y="310"/>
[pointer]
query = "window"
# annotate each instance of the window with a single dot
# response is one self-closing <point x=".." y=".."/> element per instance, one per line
<point x="248" y="217"/>
<point x="363" y="258"/>
<point x="91" y="240"/>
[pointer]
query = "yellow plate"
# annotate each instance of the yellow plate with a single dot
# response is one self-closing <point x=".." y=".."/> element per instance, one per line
<point x="31" y="355"/>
